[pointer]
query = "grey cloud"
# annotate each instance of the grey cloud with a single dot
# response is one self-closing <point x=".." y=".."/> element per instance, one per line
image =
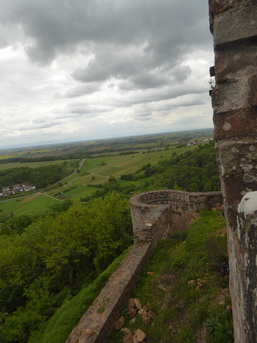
<point x="167" y="29"/>
<point x="83" y="90"/>
<point x="181" y="73"/>
<point x="36" y="126"/>
<point x="160" y="94"/>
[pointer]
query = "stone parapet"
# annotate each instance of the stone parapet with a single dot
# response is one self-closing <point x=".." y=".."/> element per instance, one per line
<point x="175" y="206"/>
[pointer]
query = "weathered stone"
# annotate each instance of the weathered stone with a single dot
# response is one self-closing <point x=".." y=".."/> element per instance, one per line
<point x="137" y="304"/>
<point x="89" y="332"/>
<point x="234" y="99"/>
<point x="232" y="124"/>
<point x="146" y="308"/>
<point x="140" y="335"/>
<point x="231" y="26"/>
<point x="128" y="338"/>
<point x="142" y="312"/>
<point x="131" y="302"/>
<point x="132" y="312"/>
<point x="229" y="62"/>
<point x="125" y="330"/>
<point x="151" y="314"/>
<point x="219" y="6"/>
<point x="119" y="323"/>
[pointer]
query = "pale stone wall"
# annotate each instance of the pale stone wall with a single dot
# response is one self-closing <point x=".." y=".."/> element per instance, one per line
<point x="234" y="99"/>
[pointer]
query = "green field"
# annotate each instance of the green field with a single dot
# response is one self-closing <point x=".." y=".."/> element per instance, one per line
<point x="31" y="204"/>
<point x="99" y="166"/>
<point x="30" y="164"/>
<point x="94" y="172"/>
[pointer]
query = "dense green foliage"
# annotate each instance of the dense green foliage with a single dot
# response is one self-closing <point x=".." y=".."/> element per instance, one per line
<point x="44" y="263"/>
<point x="40" y="177"/>
<point x="193" y="171"/>
<point x="58" y="328"/>
<point x="186" y="289"/>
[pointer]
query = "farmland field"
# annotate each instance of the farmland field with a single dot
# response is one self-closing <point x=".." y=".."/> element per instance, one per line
<point x="103" y="159"/>
<point x="30" y="205"/>
<point x="30" y="164"/>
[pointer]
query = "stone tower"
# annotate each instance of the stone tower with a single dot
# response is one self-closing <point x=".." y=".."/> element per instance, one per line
<point x="234" y="99"/>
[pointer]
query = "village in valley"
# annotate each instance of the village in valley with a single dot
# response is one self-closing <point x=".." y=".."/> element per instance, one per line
<point x="16" y="189"/>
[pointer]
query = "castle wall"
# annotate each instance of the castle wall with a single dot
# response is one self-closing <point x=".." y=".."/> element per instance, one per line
<point x="155" y="215"/>
<point x="234" y="100"/>
<point x="178" y="206"/>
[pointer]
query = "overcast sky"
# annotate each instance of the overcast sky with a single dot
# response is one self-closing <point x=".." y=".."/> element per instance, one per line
<point x="84" y="69"/>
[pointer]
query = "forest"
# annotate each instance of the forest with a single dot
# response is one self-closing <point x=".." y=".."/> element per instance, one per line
<point x="40" y="177"/>
<point x="46" y="259"/>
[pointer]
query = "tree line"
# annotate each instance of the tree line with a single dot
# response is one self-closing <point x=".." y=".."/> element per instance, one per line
<point x="40" y="177"/>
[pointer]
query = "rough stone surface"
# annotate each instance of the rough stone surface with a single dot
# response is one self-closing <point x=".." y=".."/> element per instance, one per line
<point x="132" y="312"/>
<point x="157" y="208"/>
<point x="137" y="304"/>
<point x="140" y="335"/>
<point x="234" y="100"/>
<point x="119" y="323"/>
<point x="235" y="24"/>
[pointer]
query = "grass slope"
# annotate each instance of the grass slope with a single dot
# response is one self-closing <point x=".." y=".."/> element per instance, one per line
<point x="186" y="288"/>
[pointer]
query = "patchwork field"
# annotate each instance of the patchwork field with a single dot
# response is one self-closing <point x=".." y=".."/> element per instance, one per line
<point x="125" y="156"/>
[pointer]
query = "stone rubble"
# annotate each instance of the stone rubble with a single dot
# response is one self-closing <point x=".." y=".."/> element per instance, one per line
<point x="135" y="308"/>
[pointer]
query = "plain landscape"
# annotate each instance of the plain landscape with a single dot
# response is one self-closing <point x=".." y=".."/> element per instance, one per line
<point x="60" y="241"/>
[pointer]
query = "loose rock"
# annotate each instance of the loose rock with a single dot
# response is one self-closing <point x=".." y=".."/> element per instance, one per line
<point x="119" y="323"/>
<point x="128" y="338"/>
<point x="131" y="302"/>
<point x="139" y="335"/>
<point x="137" y="304"/>
<point x="132" y="312"/>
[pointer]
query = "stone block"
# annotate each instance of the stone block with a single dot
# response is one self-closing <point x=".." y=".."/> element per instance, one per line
<point x="235" y="124"/>
<point x="231" y="96"/>
<point x="228" y="61"/>
<point x="219" y="6"/>
<point x="233" y="25"/>
<point x="238" y="166"/>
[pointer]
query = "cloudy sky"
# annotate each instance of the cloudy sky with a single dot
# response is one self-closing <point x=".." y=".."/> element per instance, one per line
<point x="84" y="69"/>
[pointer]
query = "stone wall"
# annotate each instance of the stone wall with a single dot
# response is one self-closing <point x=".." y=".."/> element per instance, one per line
<point x="177" y="207"/>
<point x="154" y="215"/>
<point x="234" y="99"/>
